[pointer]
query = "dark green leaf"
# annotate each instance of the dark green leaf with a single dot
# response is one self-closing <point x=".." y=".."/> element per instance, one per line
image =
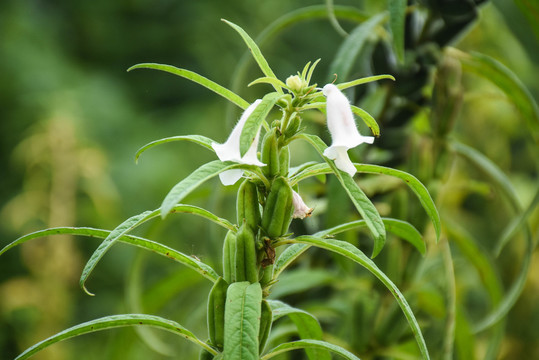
<point x="242" y="321"/>
<point x="207" y="83"/>
<point x="397" y="14"/>
<point x="309" y="344"/>
<point x="116" y="321"/>
<point x="199" y="139"/>
<point x="255" y="120"/>
<point x="358" y="197"/>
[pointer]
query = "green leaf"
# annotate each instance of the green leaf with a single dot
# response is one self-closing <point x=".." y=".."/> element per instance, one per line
<point x="364" y="80"/>
<point x="255" y="51"/>
<point x="288" y="255"/>
<point x="333" y="19"/>
<point x="307" y="325"/>
<point x="397" y="14"/>
<point x="242" y="321"/>
<point x="255" y="120"/>
<point x="351" y="252"/>
<point x="400" y="228"/>
<point x="507" y="81"/>
<point x="358" y="197"/>
<point x="367" y="119"/>
<point x="197" y="265"/>
<point x="481" y="162"/>
<point x="352" y="45"/>
<point x="269" y="80"/>
<point x="116" y="321"/>
<point x="519" y="222"/>
<point x="415" y="185"/>
<point x="196" y="178"/>
<point x="309" y="344"/>
<point x="121" y="230"/>
<point x="135" y="221"/>
<point x="199" y="79"/>
<point x="199" y="139"/>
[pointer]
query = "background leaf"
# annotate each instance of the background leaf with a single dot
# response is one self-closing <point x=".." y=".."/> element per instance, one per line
<point x="397" y="14"/>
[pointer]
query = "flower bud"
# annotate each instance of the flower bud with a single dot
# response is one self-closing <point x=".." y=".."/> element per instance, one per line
<point x="295" y="83"/>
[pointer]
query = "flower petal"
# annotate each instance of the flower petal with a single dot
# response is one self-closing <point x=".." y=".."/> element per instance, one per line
<point x="340" y="120"/>
<point x="301" y="210"/>
<point x="230" y="177"/>
<point x="342" y="161"/>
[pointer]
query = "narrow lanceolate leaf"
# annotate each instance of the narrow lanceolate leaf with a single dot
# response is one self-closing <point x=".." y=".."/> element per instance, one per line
<point x="121" y="230"/>
<point x="115" y="321"/>
<point x="198" y="139"/>
<point x="507" y="81"/>
<point x="364" y="80"/>
<point x="367" y="119"/>
<point x="351" y="252"/>
<point x="502" y="182"/>
<point x="269" y="80"/>
<point x="352" y="45"/>
<point x="255" y="120"/>
<point x="255" y="51"/>
<point x="307" y="325"/>
<point x="397" y="13"/>
<point x="403" y="229"/>
<point x="415" y="185"/>
<point x="242" y="316"/>
<point x="358" y="197"/>
<point x="195" y="179"/>
<point x="333" y="19"/>
<point x="205" y="270"/>
<point x="199" y="79"/>
<point x="134" y="222"/>
<point x="309" y="344"/>
<point x="288" y="256"/>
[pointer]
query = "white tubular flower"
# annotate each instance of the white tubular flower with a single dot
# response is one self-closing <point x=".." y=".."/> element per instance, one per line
<point x="343" y="129"/>
<point x="301" y="210"/>
<point x="230" y="150"/>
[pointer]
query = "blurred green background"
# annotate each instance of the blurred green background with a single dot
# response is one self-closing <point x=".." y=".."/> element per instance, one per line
<point x="72" y="119"/>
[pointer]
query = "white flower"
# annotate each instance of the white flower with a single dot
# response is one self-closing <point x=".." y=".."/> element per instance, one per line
<point x="343" y="129"/>
<point x="301" y="210"/>
<point x="230" y="150"/>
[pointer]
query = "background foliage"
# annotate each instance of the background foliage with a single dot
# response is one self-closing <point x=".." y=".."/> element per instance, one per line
<point x="72" y="120"/>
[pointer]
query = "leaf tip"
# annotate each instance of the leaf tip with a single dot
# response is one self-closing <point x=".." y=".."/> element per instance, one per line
<point x="83" y="286"/>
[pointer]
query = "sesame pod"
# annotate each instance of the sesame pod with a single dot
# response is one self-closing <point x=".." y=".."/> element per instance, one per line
<point x="229" y="257"/>
<point x="216" y="313"/>
<point x="247" y="205"/>
<point x="278" y="209"/>
<point x="293" y="126"/>
<point x="270" y="154"/>
<point x="246" y="264"/>
<point x="266" y="318"/>
<point x="284" y="161"/>
<point x="266" y="275"/>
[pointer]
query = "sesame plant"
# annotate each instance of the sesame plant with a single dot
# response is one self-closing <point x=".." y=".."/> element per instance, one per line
<point x="259" y="245"/>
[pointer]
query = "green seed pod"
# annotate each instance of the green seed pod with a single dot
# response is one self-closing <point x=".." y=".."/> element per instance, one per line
<point x="293" y="126"/>
<point x="270" y="154"/>
<point x="266" y="275"/>
<point x="229" y="257"/>
<point x="216" y="313"/>
<point x="266" y="318"/>
<point x="247" y="205"/>
<point x="278" y="210"/>
<point x="284" y="161"/>
<point x="246" y="264"/>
